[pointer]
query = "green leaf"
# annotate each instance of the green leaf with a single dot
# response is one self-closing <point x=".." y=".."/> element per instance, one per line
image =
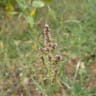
<point x="38" y="4"/>
<point x="23" y="6"/>
<point x="30" y="20"/>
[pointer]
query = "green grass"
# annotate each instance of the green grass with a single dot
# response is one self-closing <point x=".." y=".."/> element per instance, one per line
<point x="73" y="27"/>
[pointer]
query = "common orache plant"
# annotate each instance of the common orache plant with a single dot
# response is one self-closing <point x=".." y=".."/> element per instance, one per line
<point x="48" y="58"/>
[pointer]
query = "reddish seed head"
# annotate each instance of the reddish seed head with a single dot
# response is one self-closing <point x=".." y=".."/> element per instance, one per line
<point x="55" y="71"/>
<point x="46" y="49"/>
<point x="41" y="94"/>
<point x="58" y="57"/>
<point x="47" y="34"/>
<point x="53" y="45"/>
<point x="50" y="56"/>
<point x="46" y="28"/>
<point x="41" y="49"/>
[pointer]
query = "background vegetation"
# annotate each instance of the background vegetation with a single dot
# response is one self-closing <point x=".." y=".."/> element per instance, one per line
<point x="23" y="71"/>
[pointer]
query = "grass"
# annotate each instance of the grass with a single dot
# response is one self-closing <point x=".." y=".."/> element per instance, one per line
<point x="22" y="72"/>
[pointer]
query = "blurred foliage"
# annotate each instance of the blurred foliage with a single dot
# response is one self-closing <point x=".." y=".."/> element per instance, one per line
<point x="22" y="7"/>
<point x="73" y="25"/>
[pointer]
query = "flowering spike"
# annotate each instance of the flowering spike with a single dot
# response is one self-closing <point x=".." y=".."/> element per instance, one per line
<point x="47" y="35"/>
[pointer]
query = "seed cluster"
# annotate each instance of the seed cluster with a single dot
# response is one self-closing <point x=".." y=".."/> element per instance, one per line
<point x="49" y="45"/>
